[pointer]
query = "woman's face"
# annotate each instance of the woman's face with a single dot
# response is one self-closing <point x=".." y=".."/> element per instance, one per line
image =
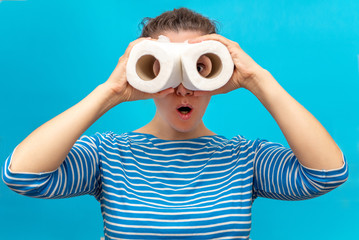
<point x="181" y="110"/>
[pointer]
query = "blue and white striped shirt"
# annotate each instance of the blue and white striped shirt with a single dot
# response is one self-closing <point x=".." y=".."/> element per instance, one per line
<point x="201" y="188"/>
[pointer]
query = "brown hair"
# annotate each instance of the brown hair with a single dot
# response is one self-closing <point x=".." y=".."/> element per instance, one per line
<point x="176" y="20"/>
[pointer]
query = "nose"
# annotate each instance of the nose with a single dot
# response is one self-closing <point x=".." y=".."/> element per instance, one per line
<point x="182" y="91"/>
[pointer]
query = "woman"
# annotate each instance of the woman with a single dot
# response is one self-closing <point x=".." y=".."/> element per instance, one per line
<point x="174" y="178"/>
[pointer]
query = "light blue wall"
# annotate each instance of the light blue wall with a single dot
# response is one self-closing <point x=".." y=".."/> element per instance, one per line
<point x="53" y="53"/>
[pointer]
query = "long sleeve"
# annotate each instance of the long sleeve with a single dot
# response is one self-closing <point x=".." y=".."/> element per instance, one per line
<point x="278" y="174"/>
<point x="78" y="175"/>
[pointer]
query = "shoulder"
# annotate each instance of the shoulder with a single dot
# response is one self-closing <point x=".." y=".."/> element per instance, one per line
<point x="244" y="142"/>
<point x="105" y="138"/>
<point x="239" y="144"/>
<point x="243" y="145"/>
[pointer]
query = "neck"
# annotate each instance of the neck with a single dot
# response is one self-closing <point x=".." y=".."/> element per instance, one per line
<point x="162" y="130"/>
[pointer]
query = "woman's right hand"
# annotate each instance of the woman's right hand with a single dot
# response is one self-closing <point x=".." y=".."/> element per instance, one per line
<point x="71" y="124"/>
<point x="121" y="90"/>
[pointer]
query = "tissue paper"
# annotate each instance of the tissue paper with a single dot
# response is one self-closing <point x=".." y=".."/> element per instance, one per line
<point x="178" y="64"/>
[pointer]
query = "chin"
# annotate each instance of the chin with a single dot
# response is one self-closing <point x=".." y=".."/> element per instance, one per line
<point x="184" y="128"/>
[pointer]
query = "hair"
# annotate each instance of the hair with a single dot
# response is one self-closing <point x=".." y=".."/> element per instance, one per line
<point x="177" y="20"/>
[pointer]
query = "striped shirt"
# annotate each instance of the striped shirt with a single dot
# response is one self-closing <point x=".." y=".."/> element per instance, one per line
<point x="200" y="188"/>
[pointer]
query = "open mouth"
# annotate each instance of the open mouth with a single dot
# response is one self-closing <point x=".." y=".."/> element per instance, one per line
<point x="184" y="110"/>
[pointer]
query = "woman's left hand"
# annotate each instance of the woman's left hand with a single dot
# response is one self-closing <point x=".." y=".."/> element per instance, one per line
<point x="310" y="142"/>
<point x="246" y="70"/>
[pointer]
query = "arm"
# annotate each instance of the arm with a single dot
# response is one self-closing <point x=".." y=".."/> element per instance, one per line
<point x="278" y="174"/>
<point x="310" y="142"/>
<point x="47" y="147"/>
<point x="55" y="138"/>
<point x="78" y="174"/>
<point x="308" y="139"/>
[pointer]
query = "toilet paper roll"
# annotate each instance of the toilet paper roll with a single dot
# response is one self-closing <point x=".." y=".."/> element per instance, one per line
<point x="222" y="66"/>
<point x="178" y="64"/>
<point x="139" y="69"/>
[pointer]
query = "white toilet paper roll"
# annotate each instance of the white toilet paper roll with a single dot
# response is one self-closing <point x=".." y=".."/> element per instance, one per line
<point x="222" y="66"/>
<point x="139" y="69"/>
<point x="178" y="64"/>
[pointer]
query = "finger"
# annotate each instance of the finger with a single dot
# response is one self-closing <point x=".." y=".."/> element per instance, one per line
<point x="132" y="44"/>
<point x="203" y="38"/>
<point x="139" y="95"/>
<point x="224" y="89"/>
<point x="164" y="93"/>
<point x="202" y="93"/>
<point x="124" y="58"/>
<point x="146" y="95"/>
<point x="210" y="93"/>
<point x="213" y="36"/>
<point x="231" y="45"/>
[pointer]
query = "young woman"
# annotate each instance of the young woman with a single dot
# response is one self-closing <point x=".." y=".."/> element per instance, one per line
<point x="174" y="178"/>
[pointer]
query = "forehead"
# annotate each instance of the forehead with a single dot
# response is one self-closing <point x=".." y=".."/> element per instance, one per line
<point x="182" y="35"/>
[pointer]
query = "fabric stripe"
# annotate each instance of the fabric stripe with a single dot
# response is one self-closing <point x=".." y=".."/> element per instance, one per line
<point x="202" y="188"/>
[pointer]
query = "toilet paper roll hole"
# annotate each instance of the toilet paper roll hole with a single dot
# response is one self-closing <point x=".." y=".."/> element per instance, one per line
<point x="211" y="64"/>
<point x="204" y="65"/>
<point x="208" y="65"/>
<point x="145" y="67"/>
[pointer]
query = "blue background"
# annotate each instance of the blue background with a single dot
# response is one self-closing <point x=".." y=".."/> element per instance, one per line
<point x="53" y="53"/>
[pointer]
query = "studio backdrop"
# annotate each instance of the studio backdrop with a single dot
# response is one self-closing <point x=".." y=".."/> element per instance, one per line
<point x="54" y="53"/>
